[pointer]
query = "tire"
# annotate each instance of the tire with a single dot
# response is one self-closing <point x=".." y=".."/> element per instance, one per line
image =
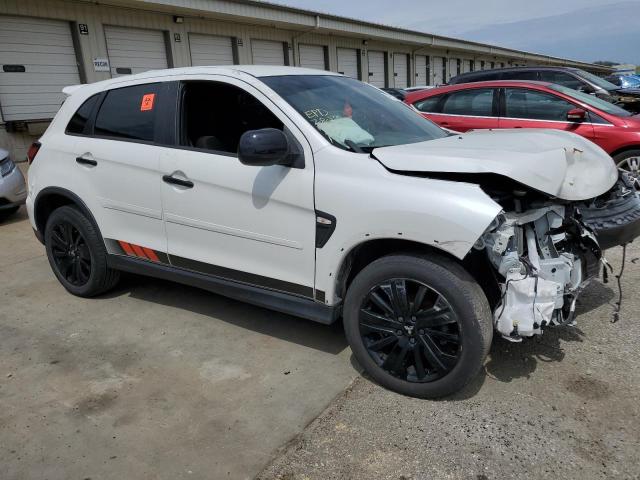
<point x="452" y="305"/>
<point x="629" y="161"/>
<point x="6" y="213"/>
<point x="77" y="254"/>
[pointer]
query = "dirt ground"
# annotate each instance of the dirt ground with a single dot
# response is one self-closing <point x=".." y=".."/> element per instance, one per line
<point x="564" y="405"/>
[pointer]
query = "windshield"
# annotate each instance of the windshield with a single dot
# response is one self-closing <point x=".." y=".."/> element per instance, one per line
<point x="592" y="100"/>
<point x="353" y="115"/>
<point x="601" y="82"/>
<point x="630" y="81"/>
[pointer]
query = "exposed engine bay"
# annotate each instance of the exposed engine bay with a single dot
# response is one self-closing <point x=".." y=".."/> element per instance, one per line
<point x="546" y="251"/>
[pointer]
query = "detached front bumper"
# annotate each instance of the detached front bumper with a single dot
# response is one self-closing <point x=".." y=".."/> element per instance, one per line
<point x="13" y="190"/>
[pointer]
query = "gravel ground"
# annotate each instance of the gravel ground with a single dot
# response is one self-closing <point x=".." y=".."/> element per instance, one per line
<point x="563" y="405"/>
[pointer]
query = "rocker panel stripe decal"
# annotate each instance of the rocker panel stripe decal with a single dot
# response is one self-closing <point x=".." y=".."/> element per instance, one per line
<point x="119" y="247"/>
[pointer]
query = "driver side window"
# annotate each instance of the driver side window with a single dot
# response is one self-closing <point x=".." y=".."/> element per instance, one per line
<point x="215" y="115"/>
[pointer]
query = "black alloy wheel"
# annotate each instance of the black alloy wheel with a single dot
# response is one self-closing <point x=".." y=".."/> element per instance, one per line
<point x="77" y="254"/>
<point x="418" y="324"/>
<point x="410" y="330"/>
<point x="70" y="253"/>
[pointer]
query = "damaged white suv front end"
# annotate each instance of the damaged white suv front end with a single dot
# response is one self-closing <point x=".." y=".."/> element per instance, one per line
<point x="563" y="203"/>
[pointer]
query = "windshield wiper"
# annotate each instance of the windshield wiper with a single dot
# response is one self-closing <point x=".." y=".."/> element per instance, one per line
<point x="353" y="146"/>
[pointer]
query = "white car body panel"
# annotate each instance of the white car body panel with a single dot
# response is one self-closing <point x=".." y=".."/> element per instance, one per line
<point x="371" y="203"/>
<point x="551" y="161"/>
<point x="257" y="220"/>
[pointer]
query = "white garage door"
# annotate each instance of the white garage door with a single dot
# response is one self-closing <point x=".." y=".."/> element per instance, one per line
<point x="401" y="70"/>
<point x="210" y="50"/>
<point x="466" y="66"/>
<point x="267" y="52"/>
<point x="454" y="69"/>
<point x="422" y="70"/>
<point x="312" y="56"/>
<point x="37" y="61"/>
<point x="348" y="62"/>
<point x="438" y="70"/>
<point x="377" y="74"/>
<point x="135" y="50"/>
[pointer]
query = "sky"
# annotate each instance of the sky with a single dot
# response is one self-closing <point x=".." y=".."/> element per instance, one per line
<point x="585" y="30"/>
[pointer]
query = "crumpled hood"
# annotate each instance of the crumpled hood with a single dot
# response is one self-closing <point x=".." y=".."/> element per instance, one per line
<point x="558" y="163"/>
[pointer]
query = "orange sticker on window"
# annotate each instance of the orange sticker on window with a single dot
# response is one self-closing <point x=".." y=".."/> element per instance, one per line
<point x="147" y="102"/>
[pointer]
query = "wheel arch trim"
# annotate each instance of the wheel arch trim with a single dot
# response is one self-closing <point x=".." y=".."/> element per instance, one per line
<point x="69" y="195"/>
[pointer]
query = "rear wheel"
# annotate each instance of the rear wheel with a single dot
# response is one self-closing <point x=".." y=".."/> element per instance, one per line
<point x="420" y="326"/>
<point x="76" y="253"/>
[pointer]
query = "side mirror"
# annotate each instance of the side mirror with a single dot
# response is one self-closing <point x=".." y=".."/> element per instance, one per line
<point x="576" y="115"/>
<point x="261" y="148"/>
<point x="584" y="88"/>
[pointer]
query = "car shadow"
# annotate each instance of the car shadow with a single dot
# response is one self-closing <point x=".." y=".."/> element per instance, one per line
<point x="326" y="338"/>
<point x="19" y="216"/>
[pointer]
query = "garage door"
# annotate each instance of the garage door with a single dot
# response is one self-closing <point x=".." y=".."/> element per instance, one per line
<point x="38" y="61"/>
<point x="401" y="70"/>
<point x="348" y="62"/>
<point x="267" y="52"/>
<point x="438" y="70"/>
<point x="466" y="66"/>
<point x="454" y="67"/>
<point x="377" y="74"/>
<point x="312" y="56"/>
<point x="210" y="50"/>
<point x="135" y="50"/>
<point x="422" y="70"/>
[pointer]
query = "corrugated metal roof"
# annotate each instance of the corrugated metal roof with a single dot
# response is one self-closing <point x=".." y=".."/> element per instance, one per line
<point x="260" y="11"/>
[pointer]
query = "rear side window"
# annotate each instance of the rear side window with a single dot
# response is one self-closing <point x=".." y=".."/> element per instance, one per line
<point x="129" y="113"/>
<point x="561" y="78"/>
<point x="476" y="102"/>
<point x="520" y="75"/>
<point x="428" y="105"/>
<point x="78" y="122"/>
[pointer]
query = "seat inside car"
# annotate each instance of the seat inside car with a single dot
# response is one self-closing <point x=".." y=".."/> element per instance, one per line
<point x="215" y="115"/>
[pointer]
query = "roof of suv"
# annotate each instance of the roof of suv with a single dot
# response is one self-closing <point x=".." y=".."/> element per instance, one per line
<point x="462" y="76"/>
<point x="253" y="70"/>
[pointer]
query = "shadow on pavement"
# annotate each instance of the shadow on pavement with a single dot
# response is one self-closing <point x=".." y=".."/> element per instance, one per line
<point x="326" y="338"/>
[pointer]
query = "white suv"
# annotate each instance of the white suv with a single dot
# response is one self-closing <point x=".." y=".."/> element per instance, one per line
<point x="320" y="196"/>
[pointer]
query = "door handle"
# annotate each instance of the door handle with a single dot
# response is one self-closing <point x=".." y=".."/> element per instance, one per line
<point x="177" y="181"/>
<point x="86" y="161"/>
<point x="444" y="123"/>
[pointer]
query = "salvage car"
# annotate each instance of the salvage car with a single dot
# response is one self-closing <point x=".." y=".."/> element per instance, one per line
<point x="569" y="77"/>
<point x="520" y="104"/>
<point x="320" y="196"/>
<point x="13" y="189"/>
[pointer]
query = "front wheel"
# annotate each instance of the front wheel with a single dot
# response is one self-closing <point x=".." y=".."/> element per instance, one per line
<point x="420" y="326"/>
<point x="629" y="161"/>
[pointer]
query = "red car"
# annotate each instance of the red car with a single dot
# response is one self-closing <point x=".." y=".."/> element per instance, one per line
<point x="527" y="104"/>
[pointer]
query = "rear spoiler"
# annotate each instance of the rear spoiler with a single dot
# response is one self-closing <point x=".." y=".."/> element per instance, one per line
<point x="71" y="89"/>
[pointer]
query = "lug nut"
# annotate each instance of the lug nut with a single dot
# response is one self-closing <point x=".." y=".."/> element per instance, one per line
<point x="421" y="332"/>
<point x="412" y="340"/>
<point x="398" y="332"/>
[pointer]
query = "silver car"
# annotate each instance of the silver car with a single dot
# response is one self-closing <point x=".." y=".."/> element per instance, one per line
<point x="13" y="190"/>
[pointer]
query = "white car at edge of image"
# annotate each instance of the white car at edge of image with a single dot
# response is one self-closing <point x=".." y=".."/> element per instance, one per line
<point x="13" y="189"/>
<point x="317" y="195"/>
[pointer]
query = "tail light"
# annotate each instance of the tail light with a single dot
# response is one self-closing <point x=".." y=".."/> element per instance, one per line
<point x="33" y="151"/>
